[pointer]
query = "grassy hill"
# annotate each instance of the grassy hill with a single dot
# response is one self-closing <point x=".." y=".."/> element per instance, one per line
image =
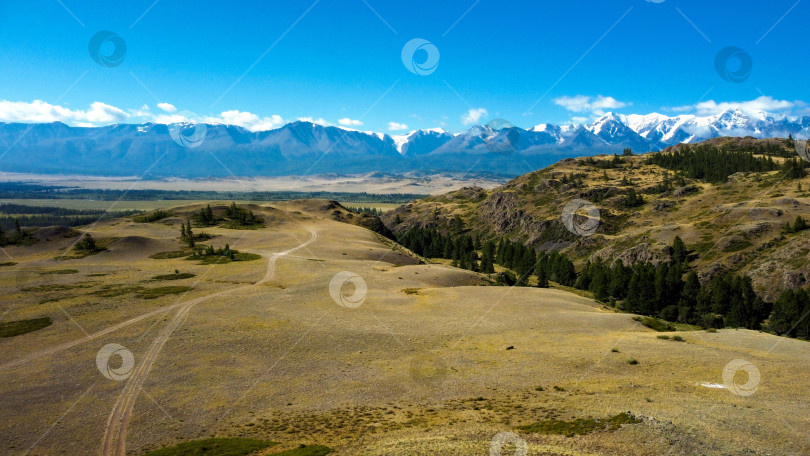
<point x="729" y="200"/>
<point x="431" y="362"/>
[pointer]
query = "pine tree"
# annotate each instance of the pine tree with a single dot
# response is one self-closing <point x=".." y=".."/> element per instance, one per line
<point x="785" y="313"/>
<point x="799" y="224"/>
<point x="619" y="279"/>
<point x="487" y="258"/>
<point x="600" y="283"/>
<point x="18" y="233"/>
<point x="189" y="234"/>
<point x="678" y="250"/>
<point x="687" y="305"/>
<point x="542" y="278"/>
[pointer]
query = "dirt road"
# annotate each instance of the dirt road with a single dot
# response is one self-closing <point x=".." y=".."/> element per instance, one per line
<point x="115" y="432"/>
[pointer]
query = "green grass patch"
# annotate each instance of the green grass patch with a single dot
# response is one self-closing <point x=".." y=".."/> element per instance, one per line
<point x="60" y="271"/>
<point x="655" y="323"/>
<point x="15" y="328"/>
<point x="735" y="245"/>
<point x="154" y="293"/>
<point x="172" y="254"/>
<point x="219" y="259"/>
<point x="8" y="263"/>
<point x="238" y="226"/>
<point x="175" y="276"/>
<point x="57" y="287"/>
<point x="111" y="291"/>
<point x="580" y="426"/>
<point x="306" y="450"/>
<point x="410" y="291"/>
<point x="214" y="447"/>
<point x="154" y="216"/>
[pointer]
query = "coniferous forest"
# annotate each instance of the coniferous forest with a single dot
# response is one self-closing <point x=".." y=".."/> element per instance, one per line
<point x="710" y="163"/>
<point x="670" y="290"/>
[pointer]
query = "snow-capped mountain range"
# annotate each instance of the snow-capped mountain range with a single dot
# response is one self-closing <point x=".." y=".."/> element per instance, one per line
<point x="215" y="150"/>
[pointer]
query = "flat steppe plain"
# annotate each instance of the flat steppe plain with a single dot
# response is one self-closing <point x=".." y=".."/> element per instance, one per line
<point x="421" y="367"/>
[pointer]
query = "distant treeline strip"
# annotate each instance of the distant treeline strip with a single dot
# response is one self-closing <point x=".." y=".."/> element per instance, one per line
<point x="37" y="216"/>
<point x="21" y="190"/>
<point x="712" y="164"/>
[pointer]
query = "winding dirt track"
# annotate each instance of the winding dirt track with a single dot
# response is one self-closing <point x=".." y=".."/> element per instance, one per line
<point x="115" y="433"/>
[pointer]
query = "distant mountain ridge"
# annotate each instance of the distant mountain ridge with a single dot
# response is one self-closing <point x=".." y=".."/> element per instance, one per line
<point x="306" y="148"/>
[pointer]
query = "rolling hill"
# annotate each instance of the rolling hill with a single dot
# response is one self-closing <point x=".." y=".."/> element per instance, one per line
<point x="736" y="224"/>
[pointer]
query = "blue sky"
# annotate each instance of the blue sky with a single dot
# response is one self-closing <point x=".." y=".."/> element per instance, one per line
<point x="263" y="63"/>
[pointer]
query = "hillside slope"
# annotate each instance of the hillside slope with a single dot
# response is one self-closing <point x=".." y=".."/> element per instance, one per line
<point x="737" y="225"/>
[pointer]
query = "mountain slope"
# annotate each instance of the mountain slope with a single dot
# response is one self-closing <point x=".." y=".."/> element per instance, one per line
<point x="733" y="226"/>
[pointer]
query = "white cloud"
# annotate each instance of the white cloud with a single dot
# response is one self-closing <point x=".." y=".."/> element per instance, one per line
<point x="763" y="103"/>
<point x="40" y="111"/>
<point x="177" y="118"/>
<point x="473" y="116"/>
<point x="168" y="107"/>
<point x="104" y="113"/>
<point x="349" y="122"/>
<point x="595" y="105"/>
<point x="318" y="121"/>
<point x="248" y="120"/>
<point x="578" y="119"/>
<point x="395" y="126"/>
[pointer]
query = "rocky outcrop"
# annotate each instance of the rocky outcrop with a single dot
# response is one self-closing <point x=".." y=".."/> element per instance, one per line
<point x="685" y="190"/>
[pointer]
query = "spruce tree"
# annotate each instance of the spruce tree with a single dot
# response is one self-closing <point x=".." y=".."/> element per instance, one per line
<point x="542" y="278"/>
<point x="487" y="258"/>
<point x="678" y="250"/>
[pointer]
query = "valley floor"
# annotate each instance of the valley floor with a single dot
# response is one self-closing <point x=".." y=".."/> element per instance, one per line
<point x="432" y="361"/>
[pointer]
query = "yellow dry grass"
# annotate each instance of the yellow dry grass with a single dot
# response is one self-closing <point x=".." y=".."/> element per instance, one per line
<point x="425" y="373"/>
